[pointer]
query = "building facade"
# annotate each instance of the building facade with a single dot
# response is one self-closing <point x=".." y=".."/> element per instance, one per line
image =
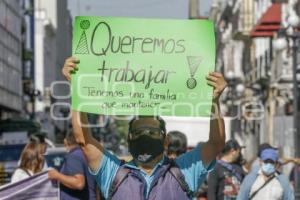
<point x="234" y="20"/>
<point x="10" y="58"/>
<point x="52" y="46"/>
<point x="246" y="30"/>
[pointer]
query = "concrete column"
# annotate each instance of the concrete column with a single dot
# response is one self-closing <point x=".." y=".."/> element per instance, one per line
<point x="194" y="9"/>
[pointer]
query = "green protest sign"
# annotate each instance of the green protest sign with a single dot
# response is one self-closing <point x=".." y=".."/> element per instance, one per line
<point x="143" y="66"/>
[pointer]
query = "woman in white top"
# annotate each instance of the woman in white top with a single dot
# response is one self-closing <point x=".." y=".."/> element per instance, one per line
<point x="31" y="162"/>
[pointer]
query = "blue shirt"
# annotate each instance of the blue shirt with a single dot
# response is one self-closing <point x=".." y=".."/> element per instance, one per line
<point x="189" y="163"/>
<point x="75" y="163"/>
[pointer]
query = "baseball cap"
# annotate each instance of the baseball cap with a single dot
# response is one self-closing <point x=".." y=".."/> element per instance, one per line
<point x="264" y="146"/>
<point x="231" y="144"/>
<point x="269" y="154"/>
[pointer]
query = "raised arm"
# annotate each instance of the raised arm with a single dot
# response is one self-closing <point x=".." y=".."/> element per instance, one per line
<point x="216" y="140"/>
<point x="91" y="148"/>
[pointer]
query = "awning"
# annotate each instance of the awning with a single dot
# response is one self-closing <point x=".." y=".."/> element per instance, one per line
<point x="269" y="23"/>
<point x="262" y="34"/>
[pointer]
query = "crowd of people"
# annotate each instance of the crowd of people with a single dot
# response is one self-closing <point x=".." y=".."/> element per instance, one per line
<point x="31" y="162"/>
<point x="75" y="180"/>
<point x="162" y="167"/>
<point x="263" y="180"/>
<point x="234" y="178"/>
<point x="231" y="178"/>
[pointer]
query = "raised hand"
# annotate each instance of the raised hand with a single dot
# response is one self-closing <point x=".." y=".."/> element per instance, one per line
<point x="69" y="67"/>
<point x="216" y="80"/>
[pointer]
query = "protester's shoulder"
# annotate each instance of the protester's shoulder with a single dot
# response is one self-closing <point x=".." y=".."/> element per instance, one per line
<point x="220" y="169"/>
<point x="191" y="162"/>
<point x="188" y="158"/>
<point x="195" y="152"/>
<point x="18" y="172"/>
<point x="77" y="151"/>
<point x="75" y="154"/>
<point x="112" y="156"/>
<point x="109" y="164"/>
<point x="250" y="178"/>
<point x="237" y="166"/>
<point x="283" y="179"/>
<point x="219" y="166"/>
<point x="239" y="169"/>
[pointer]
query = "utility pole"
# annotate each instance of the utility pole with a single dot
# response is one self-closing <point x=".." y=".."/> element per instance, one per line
<point x="194" y="9"/>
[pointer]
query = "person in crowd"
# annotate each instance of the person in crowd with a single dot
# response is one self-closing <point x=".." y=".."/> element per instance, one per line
<point x="76" y="182"/>
<point x="242" y="162"/>
<point x="266" y="184"/>
<point x="150" y="175"/>
<point x="281" y="162"/>
<point x="40" y="140"/>
<point x="256" y="163"/>
<point x="177" y="144"/>
<point x="295" y="169"/>
<point x="31" y="162"/>
<point x="224" y="182"/>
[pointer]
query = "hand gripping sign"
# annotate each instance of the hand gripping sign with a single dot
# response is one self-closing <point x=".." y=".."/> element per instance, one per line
<point x="143" y="66"/>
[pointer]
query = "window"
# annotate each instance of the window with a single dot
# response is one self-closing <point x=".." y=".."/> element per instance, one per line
<point x="5" y="75"/>
<point x="2" y="13"/>
<point x="1" y="50"/>
<point x="1" y="74"/>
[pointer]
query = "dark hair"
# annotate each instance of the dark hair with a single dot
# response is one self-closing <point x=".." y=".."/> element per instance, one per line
<point x="231" y="145"/>
<point x="38" y="137"/>
<point x="177" y="143"/>
<point x="162" y="123"/>
<point x="31" y="158"/>
<point x="70" y="138"/>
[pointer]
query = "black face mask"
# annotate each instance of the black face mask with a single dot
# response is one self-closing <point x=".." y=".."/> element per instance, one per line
<point x="145" y="148"/>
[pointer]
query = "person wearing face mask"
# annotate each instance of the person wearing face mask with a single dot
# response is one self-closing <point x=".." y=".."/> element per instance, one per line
<point x="74" y="178"/>
<point x="266" y="184"/>
<point x="224" y="182"/>
<point x="150" y="175"/>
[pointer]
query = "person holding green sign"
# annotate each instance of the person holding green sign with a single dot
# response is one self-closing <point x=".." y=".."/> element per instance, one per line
<point x="150" y="175"/>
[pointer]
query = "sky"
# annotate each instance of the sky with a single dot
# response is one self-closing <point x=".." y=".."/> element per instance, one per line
<point x="136" y="8"/>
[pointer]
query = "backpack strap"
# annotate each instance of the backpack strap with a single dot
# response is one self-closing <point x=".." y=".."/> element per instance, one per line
<point x="261" y="187"/>
<point x="231" y="169"/>
<point x="121" y="175"/>
<point x="176" y="173"/>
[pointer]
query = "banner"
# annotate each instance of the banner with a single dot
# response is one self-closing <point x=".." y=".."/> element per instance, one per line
<point x="143" y="66"/>
<point x="37" y="187"/>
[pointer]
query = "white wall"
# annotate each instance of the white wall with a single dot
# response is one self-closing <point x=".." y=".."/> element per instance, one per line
<point x="195" y="128"/>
